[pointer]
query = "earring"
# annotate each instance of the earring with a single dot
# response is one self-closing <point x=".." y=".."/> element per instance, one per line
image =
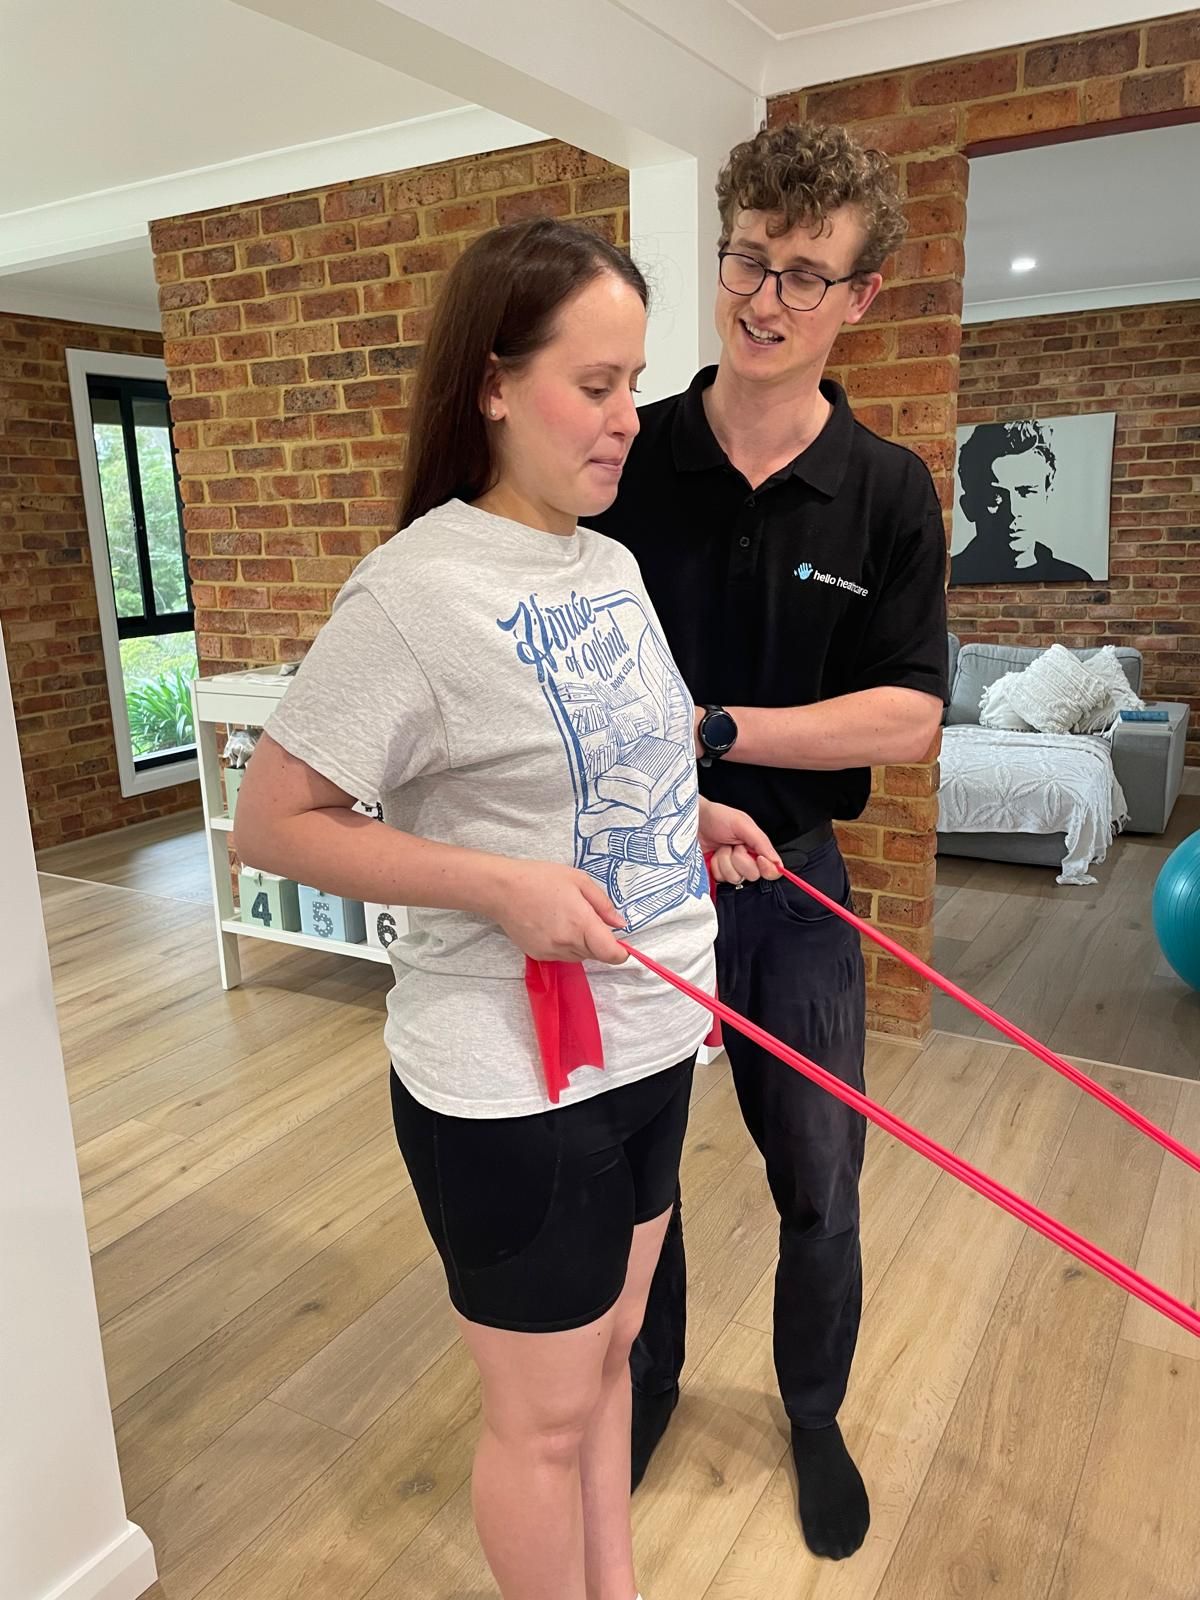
<point x="492" y="413"/>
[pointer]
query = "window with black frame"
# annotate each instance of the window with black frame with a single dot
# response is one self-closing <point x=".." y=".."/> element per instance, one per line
<point x="143" y="523"/>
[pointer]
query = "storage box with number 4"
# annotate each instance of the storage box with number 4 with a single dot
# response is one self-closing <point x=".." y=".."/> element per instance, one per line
<point x="269" y="901"/>
<point x="328" y="916"/>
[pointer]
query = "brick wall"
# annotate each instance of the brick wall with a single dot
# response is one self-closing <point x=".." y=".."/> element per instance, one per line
<point x="293" y="328"/>
<point x="1144" y="364"/>
<point x="901" y="366"/>
<point x="48" y="591"/>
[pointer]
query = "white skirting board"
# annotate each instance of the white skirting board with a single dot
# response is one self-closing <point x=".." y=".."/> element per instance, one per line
<point x="1191" y="780"/>
<point x="123" y="1571"/>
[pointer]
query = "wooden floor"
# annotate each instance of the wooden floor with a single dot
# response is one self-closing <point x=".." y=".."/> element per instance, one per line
<point x="295" y="1417"/>
<point x="1079" y="968"/>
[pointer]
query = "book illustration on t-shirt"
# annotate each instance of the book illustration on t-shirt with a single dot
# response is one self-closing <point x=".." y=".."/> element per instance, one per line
<point x="625" y="719"/>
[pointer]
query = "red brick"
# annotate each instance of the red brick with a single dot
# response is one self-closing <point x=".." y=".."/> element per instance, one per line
<point x="307" y="341"/>
<point x="484" y="177"/>
<point x="178" y="296"/>
<point x="357" y="269"/>
<point x="556" y="162"/>
<point x="1171" y="42"/>
<point x="902" y="378"/>
<point x="375" y="392"/>
<point x="333" y="303"/>
<point x="929" y="258"/>
<point x="424" y="187"/>
<point x="912" y="300"/>
<point x="1027" y="113"/>
<point x="345" y="364"/>
<point x="229" y="490"/>
<point x="270" y="313"/>
<point x="185" y="352"/>
<point x="361" y="200"/>
<point x="368" y="331"/>
<point x="215" y="319"/>
<point x="290" y="486"/>
<point x="274" y="373"/>
<point x="344" y="424"/>
<point x="341" y="239"/>
<point x="347" y="485"/>
<point x="259" y="458"/>
<point x="318" y="515"/>
<point x="1096" y="55"/>
<point x="315" y="397"/>
<point x="916" y="131"/>
<point x="252" y="403"/>
<point x="1154" y="91"/>
<point x="924" y="416"/>
<point x="266" y="571"/>
<point x="315" y="457"/>
<point x="204" y="263"/>
<point x="401" y="228"/>
<point x="283" y="428"/>
<point x="176" y="234"/>
<point x="465" y="216"/>
<point x="975" y="79"/>
<point x="927" y="218"/>
<point x="302" y="275"/>
<point x="929" y="339"/>
<point x="546" y="202"/>
<point x="269" y="252"/>
<point x="601" y="194"/>
<point x="290" y="214"/>
<point x="238" y="286"/>
<point x="426" y="257"/>
<point x="244" y="346"/>
<point x="230" y="225"/>
<point x="941" y="175"/>
<point x="269" y="516"/>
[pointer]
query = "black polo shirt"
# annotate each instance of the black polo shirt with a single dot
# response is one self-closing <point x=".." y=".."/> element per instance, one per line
<point x="827" y="579"/>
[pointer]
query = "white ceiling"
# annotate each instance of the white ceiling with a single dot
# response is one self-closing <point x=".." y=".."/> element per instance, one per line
<point x="1106" y="220"/>
<point x="775" y="46"/>
<point x="104" y="82"/>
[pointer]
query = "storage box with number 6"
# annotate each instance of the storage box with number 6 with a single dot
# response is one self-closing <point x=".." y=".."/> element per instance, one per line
<point x="269" y="901"/>
<point x="385" y="924"/>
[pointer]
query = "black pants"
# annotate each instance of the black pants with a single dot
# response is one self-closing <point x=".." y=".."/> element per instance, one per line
<point x="797" y="971"/>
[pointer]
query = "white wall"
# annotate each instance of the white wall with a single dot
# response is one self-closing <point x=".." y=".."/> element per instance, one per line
<point x="64" y="1534"/>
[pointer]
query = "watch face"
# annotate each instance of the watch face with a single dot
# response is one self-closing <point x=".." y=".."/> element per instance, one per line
<point x="718" y="730"/>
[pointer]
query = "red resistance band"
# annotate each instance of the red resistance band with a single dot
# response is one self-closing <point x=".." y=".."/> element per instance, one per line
<point x="569" y="1035"/>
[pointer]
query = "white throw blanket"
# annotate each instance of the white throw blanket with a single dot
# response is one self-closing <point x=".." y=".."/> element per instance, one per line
<point x="995" y="781"/>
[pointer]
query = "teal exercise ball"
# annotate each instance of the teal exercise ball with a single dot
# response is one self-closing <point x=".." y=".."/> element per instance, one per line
<point x="1177" y="910"/>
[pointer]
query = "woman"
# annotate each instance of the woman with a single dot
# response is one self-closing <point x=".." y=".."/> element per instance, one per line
<point x="496" y="678"/>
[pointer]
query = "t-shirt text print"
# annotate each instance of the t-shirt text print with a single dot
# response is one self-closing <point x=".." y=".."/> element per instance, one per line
<point x="625" y="720"/>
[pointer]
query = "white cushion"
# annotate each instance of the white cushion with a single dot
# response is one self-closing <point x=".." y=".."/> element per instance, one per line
<point x="1109" y="673"/>
<point x="1056" y="692"/>
<point x="995" y="706"/>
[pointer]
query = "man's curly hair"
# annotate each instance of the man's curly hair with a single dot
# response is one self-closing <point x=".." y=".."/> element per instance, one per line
<point x="802" y="173"/>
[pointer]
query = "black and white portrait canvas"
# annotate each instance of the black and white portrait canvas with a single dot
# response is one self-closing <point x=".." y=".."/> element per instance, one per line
<point x="1033" y="501"/>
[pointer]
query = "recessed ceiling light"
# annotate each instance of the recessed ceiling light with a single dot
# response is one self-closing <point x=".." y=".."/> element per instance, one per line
<point x="1024" y="264"/>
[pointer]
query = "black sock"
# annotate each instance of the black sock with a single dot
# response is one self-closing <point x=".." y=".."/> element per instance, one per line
<point x="834" y="1510"/>
<point x="651" y="1413"/>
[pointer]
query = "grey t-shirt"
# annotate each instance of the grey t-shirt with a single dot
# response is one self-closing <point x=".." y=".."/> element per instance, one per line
<point x="510" y="690"/>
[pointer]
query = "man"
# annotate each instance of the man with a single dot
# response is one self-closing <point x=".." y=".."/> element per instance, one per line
<point x="797" y="562"/>
<point x="1007" y="474"/>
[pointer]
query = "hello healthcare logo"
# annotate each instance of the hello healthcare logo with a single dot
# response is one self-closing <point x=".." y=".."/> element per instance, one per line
<point x="806" y="570"/>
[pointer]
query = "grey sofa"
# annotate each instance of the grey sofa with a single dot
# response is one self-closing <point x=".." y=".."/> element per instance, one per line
<point x="1147" y="756"/>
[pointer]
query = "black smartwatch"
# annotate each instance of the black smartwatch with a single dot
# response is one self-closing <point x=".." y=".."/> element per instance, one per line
<point x="718" y="734"/>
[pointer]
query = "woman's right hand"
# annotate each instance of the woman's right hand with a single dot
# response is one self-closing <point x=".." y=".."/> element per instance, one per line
<point x="556" y="913"/>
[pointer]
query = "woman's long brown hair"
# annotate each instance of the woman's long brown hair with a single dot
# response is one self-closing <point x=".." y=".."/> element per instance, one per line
<point x="500" y="298"/>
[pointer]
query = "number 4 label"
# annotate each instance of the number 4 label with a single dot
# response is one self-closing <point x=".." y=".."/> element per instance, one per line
<point x="261" y="910"/>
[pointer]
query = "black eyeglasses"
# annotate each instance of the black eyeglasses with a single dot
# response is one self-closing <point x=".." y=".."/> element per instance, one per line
<point x="798" y="289"/>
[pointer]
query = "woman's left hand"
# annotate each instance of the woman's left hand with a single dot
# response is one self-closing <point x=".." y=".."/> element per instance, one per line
<point x="739" y="849"/>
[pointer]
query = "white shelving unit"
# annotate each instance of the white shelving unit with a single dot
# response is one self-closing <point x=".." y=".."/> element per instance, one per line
<point x="244" y="699"/>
